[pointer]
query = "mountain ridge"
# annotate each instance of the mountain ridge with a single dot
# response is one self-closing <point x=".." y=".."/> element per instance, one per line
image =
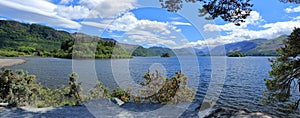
<point x="17" y="36"/>
<point x="255" y="47"/>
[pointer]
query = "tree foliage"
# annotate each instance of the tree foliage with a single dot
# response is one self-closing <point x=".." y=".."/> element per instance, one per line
<point x="235" y="11"/>
<point x="18" y="89"/>
<point x="165" y="55"/>
<point x="18" y="39"/>
<point x="166" y="90"/>
<point x="290" y="1"/>
<point x="90" y="48"/>
<point x="285" y="70"/>
<point x="152" y="51"/>
<point x="236" y="54"/>
<point x="121" y="94"/>
<point x="74" y="88"/>
<point x="99" y="91"/>
<point x="15" y="36"/>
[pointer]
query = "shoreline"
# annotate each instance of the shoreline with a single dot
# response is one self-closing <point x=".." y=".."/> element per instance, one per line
<point x="11" y="62"/>
<point x="104" y="106"/>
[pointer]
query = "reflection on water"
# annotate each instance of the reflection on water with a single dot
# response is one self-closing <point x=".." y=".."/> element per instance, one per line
<point x="243" y="87"/>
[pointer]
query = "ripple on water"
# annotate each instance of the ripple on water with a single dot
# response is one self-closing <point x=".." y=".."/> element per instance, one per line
<point x="243" y="87"/>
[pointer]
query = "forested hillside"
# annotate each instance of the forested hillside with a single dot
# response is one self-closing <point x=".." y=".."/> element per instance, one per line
<point x="19" y="39"/>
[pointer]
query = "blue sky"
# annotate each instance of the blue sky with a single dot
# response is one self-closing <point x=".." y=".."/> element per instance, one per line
<point x="143" y="22"/>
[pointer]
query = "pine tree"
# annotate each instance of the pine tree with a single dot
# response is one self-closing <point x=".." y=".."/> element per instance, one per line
<point x="74" y="88"/>
<point x="285" y="70"/>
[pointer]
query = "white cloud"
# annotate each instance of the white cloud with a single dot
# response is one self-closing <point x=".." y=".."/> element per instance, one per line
<point x="173" y="37"/>
<point x="65" y="1"/>
<point x="181" y="23"/>
<point x="296" y="18"/>
<point x="42" y="5"/>
<point x="234" y="33"/>
<point x="95" y="8"/>
<point x="146" y="32"/>
<point x="253" y="19"/>
<point x="175" y="18"/>
<point x="129" y="22"/>
<point x="45" y="12"/>
<point x="210" y="42"/>
<point x="35" y="11"/>
<point x="95" y="24"/>
<point x="72" y="12"/>
<point x="108" y="8"/>
<point x="151" y="40"/>
<point x="291" y="10"/>
<point x="90" y="3"/>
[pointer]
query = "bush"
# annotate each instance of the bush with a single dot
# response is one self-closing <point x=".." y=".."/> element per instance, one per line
<point x="54" y="97"/>
<point x="166" y="90"/>
<point x="121" y="94"/>
<point x="18" y="89"/>
<point x="99" y="91"/>
<point x="7" y="53"/>
<point x="74" y="88"/>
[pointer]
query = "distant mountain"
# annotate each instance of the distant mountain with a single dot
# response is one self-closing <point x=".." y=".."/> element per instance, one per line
<point x="26" y="39"/>
<point x="189" y="52"/>
<point x="256" y="47"/>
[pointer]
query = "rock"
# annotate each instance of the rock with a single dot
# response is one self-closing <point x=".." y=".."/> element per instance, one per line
<point x="232" y="113"/>
<point x="37" y="110"/>
<point x="253" y="115"/>
<point x="206" y="104"/>
<point x="3" y="104"/>
<point x="117" y="101"/>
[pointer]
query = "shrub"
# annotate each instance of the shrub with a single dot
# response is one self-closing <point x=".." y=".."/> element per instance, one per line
<point x="74" y="88"/>
<point x="121" y="94"/>
<point x="53" y="97"/>
<point x="18" y="89"/>
<point x="166" y="90"/>
<point x="99" y="91"/>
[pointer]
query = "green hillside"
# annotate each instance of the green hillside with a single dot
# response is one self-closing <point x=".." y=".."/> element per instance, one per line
<point x="15" y="35"/>
<point x="85" y="46"/>
<point x="19" y="39"/>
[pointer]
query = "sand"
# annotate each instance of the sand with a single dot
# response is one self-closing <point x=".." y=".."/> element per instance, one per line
<point x="10" y="62"/>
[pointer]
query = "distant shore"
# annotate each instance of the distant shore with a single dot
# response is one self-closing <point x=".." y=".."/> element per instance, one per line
<point x="10" y="62"/>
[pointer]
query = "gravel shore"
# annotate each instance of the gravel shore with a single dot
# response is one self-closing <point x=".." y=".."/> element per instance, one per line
<point x="10" y="62"/>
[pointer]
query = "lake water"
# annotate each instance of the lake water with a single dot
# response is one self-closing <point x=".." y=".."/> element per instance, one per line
<point x="242" y="79"/>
